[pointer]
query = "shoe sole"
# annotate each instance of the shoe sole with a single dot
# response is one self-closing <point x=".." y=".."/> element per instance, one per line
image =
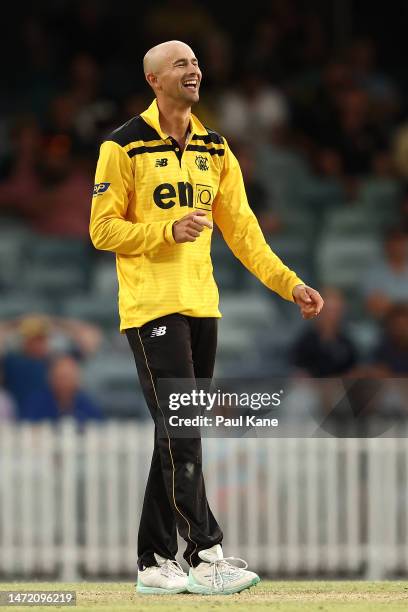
<point x="146" y="590"/>
<point x="199" y="589"/>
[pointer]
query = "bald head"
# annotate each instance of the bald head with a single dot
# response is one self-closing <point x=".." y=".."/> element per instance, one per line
<point x="161" y="55"/>
<point x="172" y="71"/>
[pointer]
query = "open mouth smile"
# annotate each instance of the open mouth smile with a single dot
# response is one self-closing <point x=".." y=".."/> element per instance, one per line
<point x="191" y="84"/>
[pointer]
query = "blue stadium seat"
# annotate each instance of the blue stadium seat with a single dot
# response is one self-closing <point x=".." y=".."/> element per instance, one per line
<point x="18" y="304"/>
<point x="56" y="281"/>
<point x="111" y="379"/>
<point x="105" y="282"/>
<point x="46" y="249"/>
<point x="342" y="261"/>
<point x="92" y="308"/>
<point x="351" y="220"/>
<point x="380" y="194"/>
<point x="284" y="174"/>
<point x="228" y="270"/>
<point x="12" y="242"/>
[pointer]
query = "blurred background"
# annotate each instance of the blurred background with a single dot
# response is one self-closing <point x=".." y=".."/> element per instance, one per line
<point x="312" y="97"/>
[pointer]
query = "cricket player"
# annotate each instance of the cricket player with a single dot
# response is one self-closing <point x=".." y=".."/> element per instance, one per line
<point x="162" y="180"/>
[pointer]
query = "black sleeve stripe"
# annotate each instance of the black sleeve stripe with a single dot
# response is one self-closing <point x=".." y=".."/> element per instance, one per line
<point x="155" y="149"/>
<point x="210" y="137"/>
<point x="204" y="149"/>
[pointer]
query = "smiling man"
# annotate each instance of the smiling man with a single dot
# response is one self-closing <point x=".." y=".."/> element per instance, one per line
<point x="162" y="179"/>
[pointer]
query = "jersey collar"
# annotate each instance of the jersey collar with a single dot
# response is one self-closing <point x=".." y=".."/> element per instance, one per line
<point x="151" y="116"/>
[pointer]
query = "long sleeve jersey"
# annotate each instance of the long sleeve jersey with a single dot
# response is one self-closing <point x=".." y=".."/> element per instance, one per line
<point x="143" y="184"/>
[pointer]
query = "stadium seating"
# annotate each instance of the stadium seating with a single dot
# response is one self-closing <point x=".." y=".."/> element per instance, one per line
<point x="381" y="197"/>
<point x="366" y="335"/>
<point x="284" y="175"/>
<point x="90" y="307"/>
<point x="343" y="260"/>
<point x="111" y="379"/>
<point x="13" y="238"/>
<point x="17" y="304"/>
<point x="105" y="282"/>
<point x="61" y="281"/>
<point x="351" y="220"/>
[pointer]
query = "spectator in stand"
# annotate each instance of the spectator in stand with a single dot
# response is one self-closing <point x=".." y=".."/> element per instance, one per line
<point x="94" y="111"/>
<point x="314" y="104"/>
<point x="25" y="369"/>
<point x="263" y="48"/>
<point x="46" y="183"/>
<point x="391" y="356"/>
<point x="325" y="349"/>
<point x="330" y="187"/>
<point x="61" y="207"/>
<point x="217" y="44"/>
<point x="387" y="281"/>
<point x="253" y="110"/>
<point x="62" y="396"/>
<point x="60" y="119"/>
<point x="355" y="133"/>
<point x="362" y="61"/>
<point x="19" y="170"/>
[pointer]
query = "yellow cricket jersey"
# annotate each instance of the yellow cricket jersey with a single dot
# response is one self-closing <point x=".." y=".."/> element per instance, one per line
<point x="143" y="184"/>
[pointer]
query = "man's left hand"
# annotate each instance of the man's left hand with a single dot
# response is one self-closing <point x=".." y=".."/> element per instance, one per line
<point x="309" y="301"/>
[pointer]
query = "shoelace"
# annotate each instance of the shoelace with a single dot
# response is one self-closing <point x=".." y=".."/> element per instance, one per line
<point x="172" y="568"/>
<point x="223" y="565"/>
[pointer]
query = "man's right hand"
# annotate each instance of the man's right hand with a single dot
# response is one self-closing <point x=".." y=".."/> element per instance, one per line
<point x="188" y="228"/>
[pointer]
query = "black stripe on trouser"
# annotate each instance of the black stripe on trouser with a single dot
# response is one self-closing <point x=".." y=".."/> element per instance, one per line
<point x="174" y="495"/>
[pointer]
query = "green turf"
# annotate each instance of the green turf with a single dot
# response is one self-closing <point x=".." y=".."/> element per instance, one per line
<point x="269" y="596"/>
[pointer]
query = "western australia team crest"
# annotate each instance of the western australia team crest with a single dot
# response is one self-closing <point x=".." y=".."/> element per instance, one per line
<point x="201" y="162"/>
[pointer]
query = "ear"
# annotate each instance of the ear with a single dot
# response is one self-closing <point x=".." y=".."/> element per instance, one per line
<point x="151" y="78"/>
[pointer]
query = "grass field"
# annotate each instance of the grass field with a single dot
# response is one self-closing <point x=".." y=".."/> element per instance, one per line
<point x="281" y="596"/>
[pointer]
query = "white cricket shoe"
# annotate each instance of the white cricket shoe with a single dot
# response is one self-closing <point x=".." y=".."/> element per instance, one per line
<point x="217" y="576"/>
<point x="165" y="579"/>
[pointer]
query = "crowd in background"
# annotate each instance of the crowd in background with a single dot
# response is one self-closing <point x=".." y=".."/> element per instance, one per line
<point x="321" y="134"/>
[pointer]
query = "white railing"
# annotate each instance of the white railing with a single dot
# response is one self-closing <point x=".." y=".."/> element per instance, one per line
<point x="70" y="502"/>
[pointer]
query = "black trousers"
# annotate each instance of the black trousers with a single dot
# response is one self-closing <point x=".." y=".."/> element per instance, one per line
<point x="174" y="346"/>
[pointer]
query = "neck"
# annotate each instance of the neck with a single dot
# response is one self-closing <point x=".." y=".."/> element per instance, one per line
<point x="174" y="120"/>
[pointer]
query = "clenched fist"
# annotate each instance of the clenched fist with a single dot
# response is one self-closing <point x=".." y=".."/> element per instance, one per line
<point x="309" y="301"/>
<point x="188" y="228"/>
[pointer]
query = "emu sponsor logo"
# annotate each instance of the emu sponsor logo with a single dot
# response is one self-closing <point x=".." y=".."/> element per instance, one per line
<point x="167" y="195"/>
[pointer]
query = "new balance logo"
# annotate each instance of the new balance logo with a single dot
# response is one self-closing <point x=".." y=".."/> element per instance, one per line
<point x="161" y="162"/>
<point x="158" y="331"/>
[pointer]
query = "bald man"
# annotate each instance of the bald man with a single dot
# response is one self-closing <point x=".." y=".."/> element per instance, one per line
<point x="162" y="179"/>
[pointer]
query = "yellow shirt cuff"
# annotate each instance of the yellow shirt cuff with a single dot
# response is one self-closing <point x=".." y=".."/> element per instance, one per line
<point x="168" y="232"/>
